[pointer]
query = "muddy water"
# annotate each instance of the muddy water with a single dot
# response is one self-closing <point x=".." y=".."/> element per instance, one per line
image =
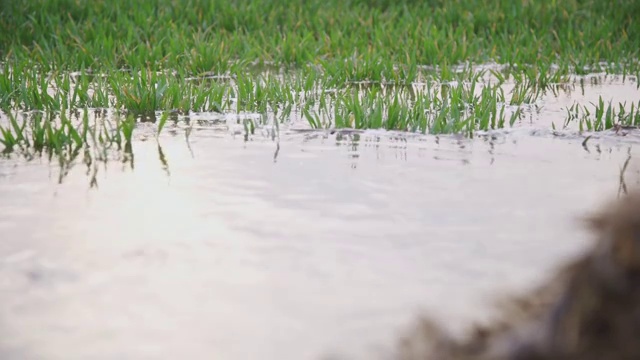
<point x="319" y="244"/>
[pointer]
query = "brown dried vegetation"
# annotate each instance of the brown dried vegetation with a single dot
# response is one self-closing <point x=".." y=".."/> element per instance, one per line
<point x="590" y="309"/>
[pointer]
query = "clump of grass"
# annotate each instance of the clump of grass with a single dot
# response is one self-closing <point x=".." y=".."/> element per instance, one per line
<point x="449" y="108"/>
<point x="138" y="93"/>
<point x="604" y="116"/>
<point x="40" y="133"/>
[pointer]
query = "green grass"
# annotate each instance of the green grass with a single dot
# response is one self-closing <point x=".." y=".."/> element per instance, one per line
<point x="447" y="108"/>
<point x="398" y="65"/>
<point x="213" y="35"/>
<point x="604" y="116"/>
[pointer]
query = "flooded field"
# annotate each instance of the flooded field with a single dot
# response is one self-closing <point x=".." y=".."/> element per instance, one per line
<point x="237" y="236"/>
<point x="267" y="179"/>
<point x="312" y="245"/>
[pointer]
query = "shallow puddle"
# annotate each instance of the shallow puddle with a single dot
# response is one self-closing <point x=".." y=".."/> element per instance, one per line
<point x="318" y="244"/>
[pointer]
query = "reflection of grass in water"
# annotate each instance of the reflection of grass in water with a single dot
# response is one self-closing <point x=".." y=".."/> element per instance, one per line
<point x="54" y="135"/>
<point x="67" y="142"/>
<point x="344" y="64"/>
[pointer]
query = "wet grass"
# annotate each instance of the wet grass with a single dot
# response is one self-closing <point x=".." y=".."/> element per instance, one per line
<point x="446" y="108"/>
<point x="403" y="65"/>
<point x="604" y="116"/>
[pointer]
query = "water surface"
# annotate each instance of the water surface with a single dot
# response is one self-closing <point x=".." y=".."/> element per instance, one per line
<point x="319" y="243"/>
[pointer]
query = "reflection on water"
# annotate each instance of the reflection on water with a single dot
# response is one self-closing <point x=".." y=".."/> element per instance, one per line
<point x="319" y="243"/>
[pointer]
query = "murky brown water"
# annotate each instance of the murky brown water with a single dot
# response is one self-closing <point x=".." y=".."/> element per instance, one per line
<point x="317" y="244"/>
